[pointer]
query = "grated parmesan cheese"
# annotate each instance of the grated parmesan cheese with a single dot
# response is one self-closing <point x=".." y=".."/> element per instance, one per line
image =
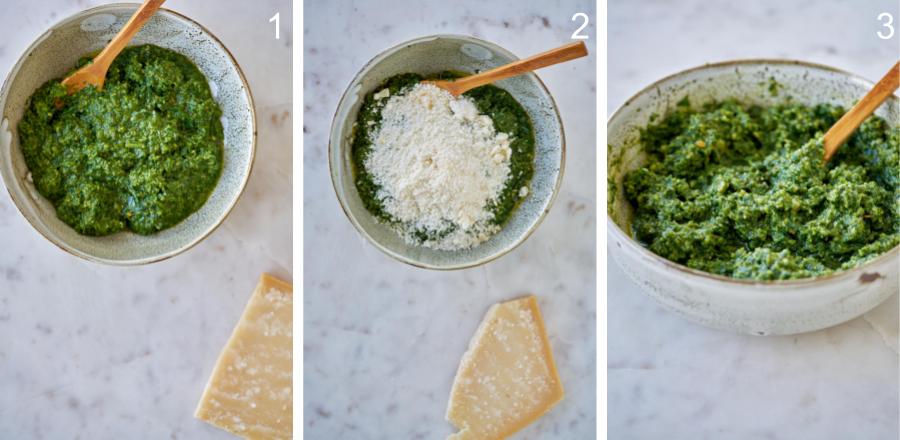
<point x="439" y="164"/>
<point x="384" y="93"/>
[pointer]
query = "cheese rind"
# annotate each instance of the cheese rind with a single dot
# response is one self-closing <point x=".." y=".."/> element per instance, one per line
<point x="507" y="378"/>
<point x="250" y="391"/>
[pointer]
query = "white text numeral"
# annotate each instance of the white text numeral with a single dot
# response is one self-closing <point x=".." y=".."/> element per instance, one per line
<point x="577" y="34"/>
<point x="277" y="19"/>
<point x="888" y="24"/>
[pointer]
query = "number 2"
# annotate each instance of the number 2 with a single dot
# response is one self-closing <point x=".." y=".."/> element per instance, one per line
<point x="277" y="19"/>
<point x="576" y="35"/>
<point x="888" y="24"/>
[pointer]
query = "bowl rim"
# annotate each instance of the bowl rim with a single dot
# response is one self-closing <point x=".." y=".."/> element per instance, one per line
<point x="343" y="203"/>
<point x="243" y="184"/>
<point x="617" y="232"/>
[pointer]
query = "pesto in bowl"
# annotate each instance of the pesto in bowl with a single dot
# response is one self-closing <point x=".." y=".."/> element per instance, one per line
<point x="742" y="191"/>
<point x="141" y="154"/>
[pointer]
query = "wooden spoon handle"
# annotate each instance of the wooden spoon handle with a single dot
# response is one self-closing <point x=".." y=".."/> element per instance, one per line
<point x="553" y="56"/>
<point x="848" y="123"/>
<point x="134" y="24"/>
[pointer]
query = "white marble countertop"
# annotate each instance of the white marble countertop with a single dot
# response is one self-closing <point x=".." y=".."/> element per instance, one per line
<point x="383" y="339"/>
<point x="96" y="352"/>
<point x="668" y="378"/>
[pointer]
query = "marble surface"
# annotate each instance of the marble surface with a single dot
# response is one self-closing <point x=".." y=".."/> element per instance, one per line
<point x="96" y="352"/>
<point x="668" y="378"/>
<point x="382" y="339"/>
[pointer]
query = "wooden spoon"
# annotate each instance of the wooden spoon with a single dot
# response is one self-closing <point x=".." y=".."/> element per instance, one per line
<point x="553" y="56"/>
<point x="94" y="74"/>
<point x="844" y="127"/>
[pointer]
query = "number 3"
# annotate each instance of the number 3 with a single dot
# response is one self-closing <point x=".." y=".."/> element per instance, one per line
<point x="576" y="35"/>
<point x="888" y="24"/>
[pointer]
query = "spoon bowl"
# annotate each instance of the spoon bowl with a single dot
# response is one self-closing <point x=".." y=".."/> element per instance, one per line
<point x="744" y="306"/>
<point x="53" y="54"/>
<point x="432" y="55"/>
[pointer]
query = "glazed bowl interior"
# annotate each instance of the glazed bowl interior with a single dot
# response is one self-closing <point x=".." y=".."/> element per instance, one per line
<point x="57" y="51"/>
<point x="431" y="55"/>
<point x="750" y="82"/>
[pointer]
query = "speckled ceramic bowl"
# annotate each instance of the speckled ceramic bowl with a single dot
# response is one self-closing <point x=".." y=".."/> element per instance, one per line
<point x="760" y="308"/>
<point x="430" y="55"/>
<point x="53" y="54"/>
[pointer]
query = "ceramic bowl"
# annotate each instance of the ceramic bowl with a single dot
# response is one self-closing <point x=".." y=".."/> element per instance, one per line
<point x="429" y="55"/>
<point x="753" y="307"/>
<point x="53" y="54"/>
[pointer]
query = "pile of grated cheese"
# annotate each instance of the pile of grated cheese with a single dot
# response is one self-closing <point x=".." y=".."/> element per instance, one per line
<point x="440" y="164"/>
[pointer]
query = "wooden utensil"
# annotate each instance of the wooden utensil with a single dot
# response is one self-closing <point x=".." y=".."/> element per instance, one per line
<point x="553" y="56"/>
<point x="844" y="127"/>
<point x="94" y="74"/>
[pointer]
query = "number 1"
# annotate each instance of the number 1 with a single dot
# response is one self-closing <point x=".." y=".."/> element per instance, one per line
<point x="277" y="19"/>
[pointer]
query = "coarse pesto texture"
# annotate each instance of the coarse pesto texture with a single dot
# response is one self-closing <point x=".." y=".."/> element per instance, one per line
<point x="507" y="115"/>
<point x="141" y="154"/>
<point x="742" y="191"/>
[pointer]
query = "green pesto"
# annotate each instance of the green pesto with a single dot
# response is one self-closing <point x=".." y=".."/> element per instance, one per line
<point x="508" y="117"/>
<point x="742" y="191"/>
<point x="141" y="154"/>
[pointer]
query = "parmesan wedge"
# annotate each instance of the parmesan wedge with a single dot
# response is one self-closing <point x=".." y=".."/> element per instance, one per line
<point x="507" y="378"/>
<point x="249" y="393"/>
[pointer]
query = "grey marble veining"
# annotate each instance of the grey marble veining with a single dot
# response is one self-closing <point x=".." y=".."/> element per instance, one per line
<point x="669" y="378"/>
<point x="95" y="352"/>
<point x="382" y="339"/>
